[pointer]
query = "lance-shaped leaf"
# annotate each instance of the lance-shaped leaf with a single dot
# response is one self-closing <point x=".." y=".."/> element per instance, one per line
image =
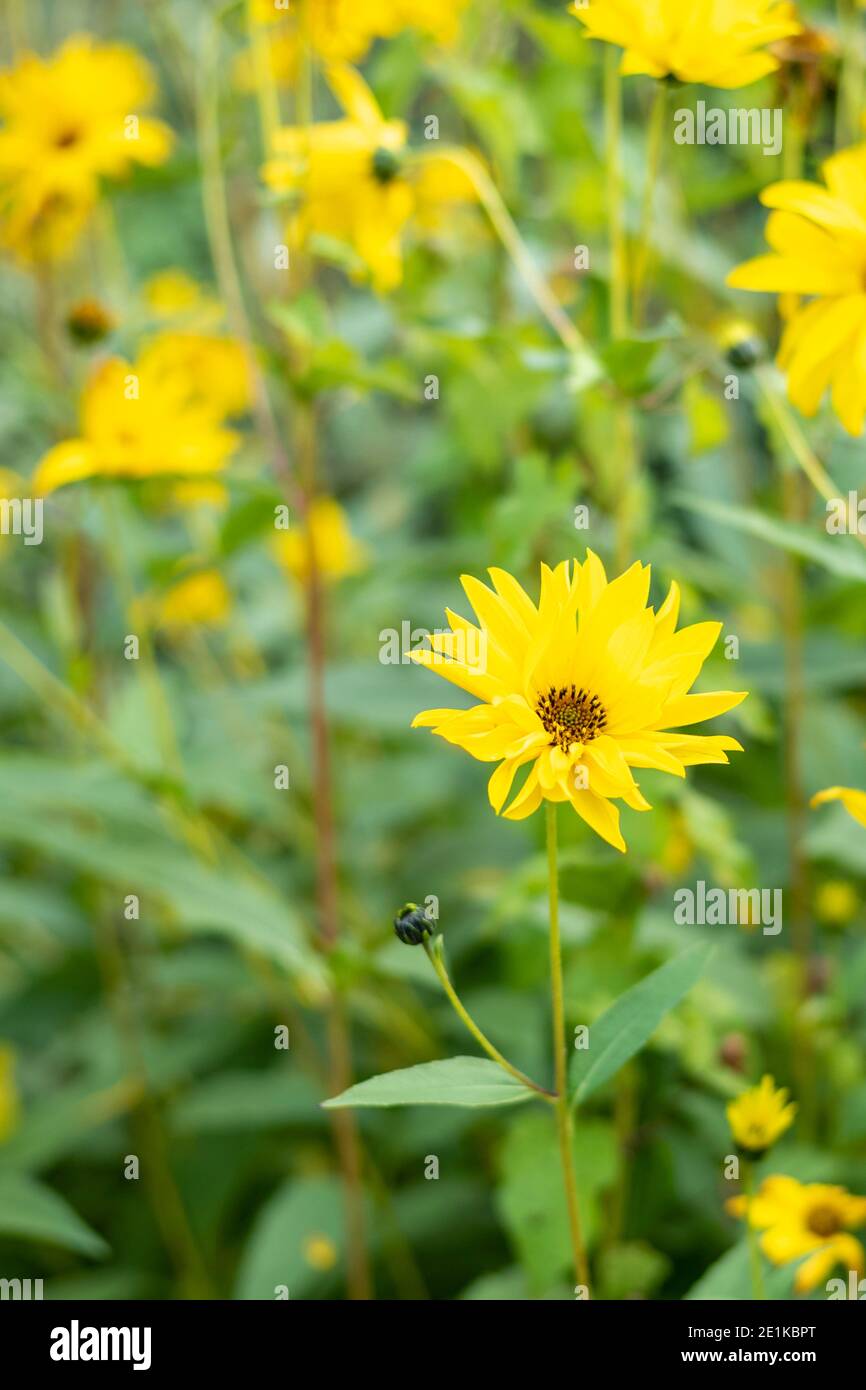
<point x="468" y="1081"/>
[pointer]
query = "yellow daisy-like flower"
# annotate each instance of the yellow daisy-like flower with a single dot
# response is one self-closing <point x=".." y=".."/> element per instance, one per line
<point x="199" y="600"/>
<point x="810" y="1219"/>
<point x="9" y="1104"/>
<point x="718" y="44"/>
<point x="836" y="901"/>
<point x="138" y="423"/>
<point x="818" y="239"/>
<point x="214" y="367"/>
<point x="69" y="121"/>
<point x="337" y="552"/>
<point x="355" y="183"/>
<point x="171" y="293"/>
<point x="583" y="687"/>
<point x="853" y="800"/>
<point x="760" y="1116"/>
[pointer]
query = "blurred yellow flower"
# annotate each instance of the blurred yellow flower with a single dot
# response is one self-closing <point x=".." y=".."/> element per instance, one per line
<point x="355" y="182"/>
<point x="138" y="424"/>
<point x="215" y="368"/>
<point x="320" y="1253"/>
<point x="811" y="1219"/>
<point x="583" y="687"/>
<point x="172" y="293"/>
<point x="836" y="901"/>
<point x="760" y="1116"/>
<point x="9" y="1103"/>
<point x="68" y="121"/>
<point x="818" y="238"/>
<point x="853" y="800"/>
<point x="718" y="44"/>
<point x="337" y="552"/>
<point x="200" y="600"/>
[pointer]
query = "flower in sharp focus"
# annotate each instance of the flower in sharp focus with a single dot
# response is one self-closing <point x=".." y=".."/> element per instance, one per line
<point x="853" y="800"/>
<point x="136" y="423"/>
<point x="580" y="688"/>
<point x="337" y="552"/>
<point x="818" y="238"/>
<point x="354" y="181"/>
<point x="812" y="1219"/>
<point x="68" y="121"/>
<point x="760" y="1116"/>
<point x="718" y="44"/>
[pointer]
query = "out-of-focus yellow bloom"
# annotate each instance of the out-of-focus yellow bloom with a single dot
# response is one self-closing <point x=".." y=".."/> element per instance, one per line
<point x="818" y="238"/>
<point x="336" y="550"/>
<point x="582" y="688"/>
<point x="68" y="121"/>
<point x="836" y="901"/>
<point x="805" y="1219"/>
<point x="853" y="800"/>
<point x="10" y="1107"/>
<point x="355" y="182"/>
<point x="172" y="293"/>
<point x="138" y="424"/>
<point x="214" y="368"/>
<point x="718" y="44"/>
<point x="320" y="1253"/>
<point x="200" y="600"/>
<point x="760" y="1116"/>
<point x="342" y="30"/>
<point x="205" y="493"/>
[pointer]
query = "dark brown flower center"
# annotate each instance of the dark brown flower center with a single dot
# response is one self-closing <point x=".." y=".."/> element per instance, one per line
<point x="571" y="716"/>
<point x="67" y="138"/>
<point x="824" y="1221"/>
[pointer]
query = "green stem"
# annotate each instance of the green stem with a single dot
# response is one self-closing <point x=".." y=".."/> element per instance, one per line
<point x="653" y="164"/>
<point x="613" y="167"/>
<point x="757" y="1267"/>
<point x="434" y="955"/>
<point x="563" y="1108"/>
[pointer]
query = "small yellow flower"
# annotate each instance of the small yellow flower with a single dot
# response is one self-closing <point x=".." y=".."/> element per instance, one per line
<point x="68" y="121"/>
<point x="760" y="1116"/>
<point x="172" y="294"/>
<point x="354" y="181"/>
<point x="719" y="45"/>
<point x="836" y="901"/>
<point x="320" y="1253"/>
<point x="811" y="1219"/>
<point x="582" y="688"/>
<point x="138" y="424"/>
<point x="214" y="368"/>
<point x="818" y="238"/>
<point x="853" y="800"/>
<point x="200" y="600"/>
<point x="336" y="550"/>
<point x="9" y="1104"/>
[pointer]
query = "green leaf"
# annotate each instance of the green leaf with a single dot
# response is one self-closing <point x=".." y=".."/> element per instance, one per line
<point x="844" y="559"/>
<point x="730" y="1278"/>
<point x="27" y="1208"/>
<point x="280" y="1250"/>
<point x="471" y="1081"/>
<point x="622" y="1030"/>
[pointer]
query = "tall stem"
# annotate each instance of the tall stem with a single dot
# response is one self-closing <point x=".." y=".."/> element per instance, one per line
<point x="563" y="1108"/>
<point x="757" y="1267"/>
<point x="653" y="164"/>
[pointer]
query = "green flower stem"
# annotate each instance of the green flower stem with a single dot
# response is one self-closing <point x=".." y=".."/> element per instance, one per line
<point x="434" y="955"/>
<point x="655" y="134"/>
<point x="613" y="166"/>
<point x="758" y="1288"/>
<point x="563" y="1108"/>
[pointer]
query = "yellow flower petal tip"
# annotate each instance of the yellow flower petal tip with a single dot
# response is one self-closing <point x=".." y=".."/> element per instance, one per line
<point x="577" y="689"/>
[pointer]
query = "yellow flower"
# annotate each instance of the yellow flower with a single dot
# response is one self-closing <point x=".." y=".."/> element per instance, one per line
<point x="337" y="552"/>
<point x="584" y="687"/>
<point x="9" y="1103"/>
<point x="172" y="293"/>
<point x="68" y="121"/>
<point x="137" y="424"/>
<point x="760" y="1116"/>
<point x="200" y="600"/>
<point x="811" y="1219"/>
<point x="718" y="44"/>
<point x="818" y="240"/>
<point x="853" y="800"/>
<point x="836" y="901"/>
<point x="320" y="1252"/>
<point x="354" y="182"/>
<point x="215" y="369"/>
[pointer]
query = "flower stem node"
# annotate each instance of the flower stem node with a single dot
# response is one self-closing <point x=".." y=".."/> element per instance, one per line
<point x="411" y="924"/>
